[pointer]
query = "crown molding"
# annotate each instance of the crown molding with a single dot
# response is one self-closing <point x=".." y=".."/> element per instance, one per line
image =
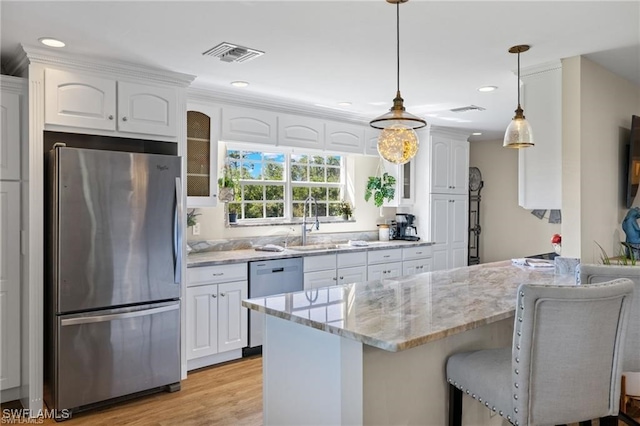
<point x="272" y="104"/>
<point x="539" y="69"/>
<point x="13" y="84"/>
<point x="453" y="132"/>
<point x="37" y="55"/>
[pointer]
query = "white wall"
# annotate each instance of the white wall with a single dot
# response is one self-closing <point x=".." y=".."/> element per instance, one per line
<point x="597" y="109"/>
<point x="508" y="230"/>
<point x="366" y="215"/>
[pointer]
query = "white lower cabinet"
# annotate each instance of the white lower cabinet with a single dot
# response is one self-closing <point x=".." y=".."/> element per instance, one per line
<point x="216" y="321"/>
<point x="332" y="269"/>
<point x="384" y="264"/>
<point x="449" y="230"/>
<point x="416" y="260"/>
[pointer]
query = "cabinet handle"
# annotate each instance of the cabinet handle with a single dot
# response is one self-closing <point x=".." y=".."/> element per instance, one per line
<point x="342" y="278"/>
<point x="218" y="274"/>
<point x="124" y="118"/>
<point x="222" y="294"/>
<point x="418" y="252"/>
<point x="334" y="278"/>
<point x="388" y="255"/>
<point x="214" y="296"/>
<point x="110" y="117"/>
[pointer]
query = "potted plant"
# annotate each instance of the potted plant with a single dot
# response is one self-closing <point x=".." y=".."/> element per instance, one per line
<point x="191" y="218"/>
<point x="227" y="184"/>
<point x="233" y="214"/>
<point x="381" y="188"/>
<point x="346" y="210"/>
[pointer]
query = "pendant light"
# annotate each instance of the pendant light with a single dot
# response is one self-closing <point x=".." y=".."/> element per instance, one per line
<point x="519" y="133"/>
<point x="398" y="142"/>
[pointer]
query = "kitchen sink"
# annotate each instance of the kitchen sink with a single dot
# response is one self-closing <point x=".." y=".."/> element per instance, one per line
<point x="315" y="247"/>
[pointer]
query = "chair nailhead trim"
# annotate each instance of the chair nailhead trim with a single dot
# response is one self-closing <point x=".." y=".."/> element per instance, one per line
<point x="515" y="409"/>
<point x="519" y="333"/>
<point x="480" y="400"/>
<point x="519" y="319"/>
<point x="455" y="383"/>
<point x="500" y="412"/>
<point x="522" y="307"/>
<point x="473" y="395"/>
<point x="449" y="380"/>
<point x="517" y="359"/>
<point x="467" y="391"/>
<point x="508" y="417"/>
<point x="518" y="347"/>
<point x="486" y="404"/>
<point x="515" y="396"/>
<point x="516" y="385"/>
<point x="517" y="371"/>
<point x="493" y="408"/>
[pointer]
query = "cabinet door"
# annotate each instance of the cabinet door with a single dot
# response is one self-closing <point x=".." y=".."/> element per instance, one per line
<point x="79" y="100"/>
<point x="9" y="136"/>
<point x="318" y="279"/>
<point x="203" y="133"/>
<point x="249" y="125"/>
<point x="458" y="220"/>
<point x="459" y="169"/>
<point x="440" y="220"/>
<point x="202" y="321"/>
<point x="440" y="260"/>
<point x="356" y="274"/>
<point x="412" y="267"/>
<point x="384" y="270"/>
<point x="405" y="183"/>
<point x="302" y="132"/>
<point x="147" y="109"/>
<point x="344" y="137"/>
<point x="371" y="136"/>
<point x="440" y="163"/>
<point x="458" y="257"/>
<point x="232" y="317"/>
<point x="9" y="285"/>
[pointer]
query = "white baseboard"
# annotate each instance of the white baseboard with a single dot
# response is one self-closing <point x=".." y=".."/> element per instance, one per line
<point x="205" y="361"/>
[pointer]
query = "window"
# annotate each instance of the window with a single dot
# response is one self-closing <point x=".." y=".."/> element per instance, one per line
<point x="274" y="185"/>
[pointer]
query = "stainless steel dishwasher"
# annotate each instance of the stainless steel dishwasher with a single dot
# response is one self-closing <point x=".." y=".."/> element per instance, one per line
<point x="269" y="277"/>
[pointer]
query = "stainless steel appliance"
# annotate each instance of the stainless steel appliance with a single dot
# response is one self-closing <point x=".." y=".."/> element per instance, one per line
<point x="404" y="229"/>
<point x="267" y="278"/>
<point x="112" y="309"/>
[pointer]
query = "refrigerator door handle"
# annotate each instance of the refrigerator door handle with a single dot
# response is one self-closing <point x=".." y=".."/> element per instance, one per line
<point x="112" y="317"/>
<point x="177" y="233"/>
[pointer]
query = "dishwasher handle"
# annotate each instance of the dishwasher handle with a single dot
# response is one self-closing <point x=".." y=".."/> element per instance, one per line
<point x="274" y="270"/>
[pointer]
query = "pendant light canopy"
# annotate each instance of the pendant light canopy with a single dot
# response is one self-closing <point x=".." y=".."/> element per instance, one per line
<point x="519" y="133"/>
<point x="398" y="143"/>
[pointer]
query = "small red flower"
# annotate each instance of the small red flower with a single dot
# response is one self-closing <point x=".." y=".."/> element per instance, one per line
<point x="556" y="239"/>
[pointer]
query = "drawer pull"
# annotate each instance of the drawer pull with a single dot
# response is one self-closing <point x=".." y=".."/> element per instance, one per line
<point x="218" y="274"/>
<point x="214" y="296"/>
<point x="387" y="255"/>
<point x="222" y="294"/>
<point x="418" y="252"/>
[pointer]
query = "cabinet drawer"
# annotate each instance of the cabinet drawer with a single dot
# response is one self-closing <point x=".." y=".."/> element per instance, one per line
<point x="384" y="256"/>
<point x="416" y="252"/>
<point x="346" y="260"/>
<point x="216" y="274"/>
<point x="318" y="263"/>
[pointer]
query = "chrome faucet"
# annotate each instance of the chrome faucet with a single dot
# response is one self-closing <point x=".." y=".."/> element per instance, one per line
<point x="309" y="200"/>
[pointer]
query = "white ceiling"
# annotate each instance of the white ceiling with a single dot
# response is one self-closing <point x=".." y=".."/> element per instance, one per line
<point x="325" y="52"/>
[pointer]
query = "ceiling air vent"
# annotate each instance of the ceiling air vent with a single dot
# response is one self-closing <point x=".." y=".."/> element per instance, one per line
<point x="467" y="108"/>
<point x="228" y="52"/>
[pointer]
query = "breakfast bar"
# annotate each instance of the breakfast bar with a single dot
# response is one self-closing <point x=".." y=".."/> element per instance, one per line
<point x="375" y="352"/>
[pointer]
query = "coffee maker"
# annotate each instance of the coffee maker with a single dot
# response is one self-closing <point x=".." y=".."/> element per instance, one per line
<point x="404" y="229"/>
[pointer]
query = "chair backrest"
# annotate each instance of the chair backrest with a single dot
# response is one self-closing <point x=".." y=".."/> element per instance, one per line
<point x="593" y="274"/>
<point x="566" y="355"/>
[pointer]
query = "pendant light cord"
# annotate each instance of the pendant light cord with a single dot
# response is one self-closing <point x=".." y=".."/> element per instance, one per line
<point x="518" y="82"/>
<point x="398" y="42"/>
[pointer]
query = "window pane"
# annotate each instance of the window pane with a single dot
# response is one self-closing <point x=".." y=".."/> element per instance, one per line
<point x="275" y="209"/>
<point x="334" y="194"/>
<point x="253" y="211"/>
<point x="252" y="171"/>
<point x="252" y="155"/>
<point x="320" y="194"/>
<point x="333" y="160"/>
<point x="300" y="193"/>
<point x="273" y="171"/>
<point x="275" y="192"/>
<point x="334" y="209"/>
<point x="317" y="174"/>
<point x="317" y="159"/>
<point x="322" y="209"/>
<point x="298" y="158"/>
<point x="297" y="209"/>
<point x="299" y="173"/>
<point x="333" y="174"/>
<point x="279" y="158"/>
<point x="253" y="192"/>
<point x="235" y="208"/>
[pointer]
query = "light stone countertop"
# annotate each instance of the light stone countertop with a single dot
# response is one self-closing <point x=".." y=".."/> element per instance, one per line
<point x="211" y="258"/>
<point x="401" y="313"/>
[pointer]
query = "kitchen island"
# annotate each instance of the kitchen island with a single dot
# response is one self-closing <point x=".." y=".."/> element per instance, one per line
<point x="375" y="352"/>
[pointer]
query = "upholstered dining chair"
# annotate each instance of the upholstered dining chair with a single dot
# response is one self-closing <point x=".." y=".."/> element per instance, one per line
<point x="593" y="274"/>
<point x="565" y="361"/>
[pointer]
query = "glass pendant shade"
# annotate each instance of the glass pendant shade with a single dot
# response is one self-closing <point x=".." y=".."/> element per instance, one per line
<point x="398" y="143"/>
<point x="519" y="133"/>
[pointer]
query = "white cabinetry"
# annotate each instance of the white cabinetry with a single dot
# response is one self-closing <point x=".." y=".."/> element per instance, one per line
<point x="9" y="285"/>
<point x="216" y="320"/>
<point x="301" y="132"/>
<point x="449" y="165"/>
<point x="540" y="168"/>
<point x="249" y="125"/>
<point x="87" y="101"/>
<point x="385" y="263"/>
<point x="416" y="260"/>
<point x="449" y="224"/>
<point x="332" y="269"/>
<point x="342" y="137"/>
<point x="203" y="134"/>
<point x="9" y="136"/>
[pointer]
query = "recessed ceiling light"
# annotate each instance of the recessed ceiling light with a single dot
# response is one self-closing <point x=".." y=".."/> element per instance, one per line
<point x="476" y="133"/>
<point x="487" y="88"/>
<point x="51" y="42"/>
<point x="344" y="103"/>
<point x="239" y="83"/>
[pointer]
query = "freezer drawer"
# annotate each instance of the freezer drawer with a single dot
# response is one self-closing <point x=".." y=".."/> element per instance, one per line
<point x="111" y="353"/>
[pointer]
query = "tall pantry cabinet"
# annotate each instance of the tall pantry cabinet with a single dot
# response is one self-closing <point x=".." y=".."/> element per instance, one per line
<point x="12" y="100"/>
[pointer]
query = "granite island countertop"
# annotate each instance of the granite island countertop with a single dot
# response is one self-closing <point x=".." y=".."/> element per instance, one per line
<point x="210" y="258"/>
<point x="401" y="313"/>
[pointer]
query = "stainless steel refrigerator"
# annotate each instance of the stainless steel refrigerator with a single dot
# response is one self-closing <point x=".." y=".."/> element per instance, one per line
<point x="112" y="310"/>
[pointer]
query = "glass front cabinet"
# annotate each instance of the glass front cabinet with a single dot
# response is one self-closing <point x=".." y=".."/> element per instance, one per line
<point x="203" y="130"/>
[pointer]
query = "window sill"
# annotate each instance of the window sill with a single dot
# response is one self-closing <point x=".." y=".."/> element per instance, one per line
<point x="250" y="223"/>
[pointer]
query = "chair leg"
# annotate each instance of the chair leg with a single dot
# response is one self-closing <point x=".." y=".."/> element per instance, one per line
<point x="609" y="421"/>
<point x="627" y="420"/>
<point x="455" y="406"/>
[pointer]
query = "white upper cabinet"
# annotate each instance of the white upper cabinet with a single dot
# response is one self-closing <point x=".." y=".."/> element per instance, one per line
<point x="343" y="137"/>
<point x="203" y="133"/>
<point x="449" y="165"/>
<point x="371" y="141"/>
<point x="86" y="101"/>
<point x="301" y="132"/>
<point x="540" y="167"/>
<point x="9" y="136"/>
<point x="249" y="125"/>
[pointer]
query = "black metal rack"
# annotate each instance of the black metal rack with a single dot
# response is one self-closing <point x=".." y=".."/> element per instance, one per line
<point x="475" y="187"/>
